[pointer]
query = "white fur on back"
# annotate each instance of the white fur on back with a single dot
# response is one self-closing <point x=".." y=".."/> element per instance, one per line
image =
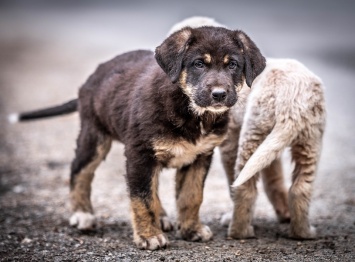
<point x="292" y="84"/>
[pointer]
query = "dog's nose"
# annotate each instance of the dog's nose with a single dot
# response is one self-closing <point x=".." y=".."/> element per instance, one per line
<point x="219" y="94"/>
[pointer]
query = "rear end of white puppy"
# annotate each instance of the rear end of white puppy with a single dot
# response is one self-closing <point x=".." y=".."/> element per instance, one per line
<point x="285" y="108"/>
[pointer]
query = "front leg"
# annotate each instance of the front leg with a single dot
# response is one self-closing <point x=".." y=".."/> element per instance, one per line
<point x="189" y="194"/>
<point x="142" y="178"/>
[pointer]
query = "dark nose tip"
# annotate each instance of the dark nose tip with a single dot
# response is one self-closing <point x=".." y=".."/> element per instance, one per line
<point x="219" y="95"/>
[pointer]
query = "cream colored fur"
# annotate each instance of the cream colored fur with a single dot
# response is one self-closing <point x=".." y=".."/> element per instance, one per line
<point x="289" y="92"/>
<point x="285" y="108"/>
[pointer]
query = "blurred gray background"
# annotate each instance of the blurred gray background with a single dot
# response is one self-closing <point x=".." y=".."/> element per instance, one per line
<point x="48" y="49"/>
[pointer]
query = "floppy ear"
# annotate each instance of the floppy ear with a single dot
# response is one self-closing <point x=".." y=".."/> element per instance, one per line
<point x="170" y="53"/>
<point x="254" y="60"/>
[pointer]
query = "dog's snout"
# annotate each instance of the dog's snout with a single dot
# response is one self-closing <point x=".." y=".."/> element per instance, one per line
<point x="219" y="94"/>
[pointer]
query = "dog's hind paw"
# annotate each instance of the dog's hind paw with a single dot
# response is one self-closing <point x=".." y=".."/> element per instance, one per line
<point x="152" y="243"/>
<point x="165" y="224"/>
<point x="82" y="220"/>
<point x="309" y="233"/>
<point x="203" y="234"/>
<point x="226" y="219"/>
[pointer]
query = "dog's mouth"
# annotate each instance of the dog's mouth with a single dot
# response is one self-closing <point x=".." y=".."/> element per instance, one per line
<point x="218" y="105"/>
<point x="201" y="104"/>
<point x="218" y="108"/>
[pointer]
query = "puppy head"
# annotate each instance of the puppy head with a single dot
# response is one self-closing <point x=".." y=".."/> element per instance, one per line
<point x="195" y="22"/>
<point x="210" y="64"/>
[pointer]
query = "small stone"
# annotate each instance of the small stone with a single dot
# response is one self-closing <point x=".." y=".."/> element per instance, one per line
<point x="18" y="189"/>
<point x="26" y="240"/>
<point x="238" y="253"/>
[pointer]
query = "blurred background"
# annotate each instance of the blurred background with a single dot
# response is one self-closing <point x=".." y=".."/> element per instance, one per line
<point x="49" y="48"/>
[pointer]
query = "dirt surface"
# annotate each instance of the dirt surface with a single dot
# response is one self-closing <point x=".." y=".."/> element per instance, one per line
<point x="47" y="54"/>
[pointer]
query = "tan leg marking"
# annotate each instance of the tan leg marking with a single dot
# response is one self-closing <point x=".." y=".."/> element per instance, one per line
<point x="80" y="193"/>
<point x="189" y="196"/>
<point x="147" y="233"/>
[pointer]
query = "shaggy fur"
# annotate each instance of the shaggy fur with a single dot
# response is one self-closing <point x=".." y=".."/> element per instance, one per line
<point x="169" y="111"/>
<point x="286" y="108"/>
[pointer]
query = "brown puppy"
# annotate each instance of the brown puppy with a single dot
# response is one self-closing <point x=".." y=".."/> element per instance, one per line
<point x="169" y="112"/>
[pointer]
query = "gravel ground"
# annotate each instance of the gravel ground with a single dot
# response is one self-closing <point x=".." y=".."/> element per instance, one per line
<point x="46" y="54"/>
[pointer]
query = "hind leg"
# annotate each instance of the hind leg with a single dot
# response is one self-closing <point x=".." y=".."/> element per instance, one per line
<point x="244" y="200"/>
<point x="165" y="223"/>
<point x="275" y="189"/>
<point x="305" y="156"/>
<point x="244" y="196"/>
<point x="253" y="133"/>
<point x="92" y="147"/>
<point x="229" y="151"/>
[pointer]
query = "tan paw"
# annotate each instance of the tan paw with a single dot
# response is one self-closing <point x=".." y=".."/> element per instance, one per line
<point x="241" y="233"/>
<point x="82" y="220"/>
<point x="308" y="233"/>
<point x="203" y="234"/>
<point x="165" y="224"/>
<point x="152" y="243"/>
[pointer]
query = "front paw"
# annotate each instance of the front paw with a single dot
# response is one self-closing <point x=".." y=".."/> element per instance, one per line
<point x="200" y="233"/>
<point x="82" y="220"/>
<point x="241" y="232"/>
<point x="151" y="243"/>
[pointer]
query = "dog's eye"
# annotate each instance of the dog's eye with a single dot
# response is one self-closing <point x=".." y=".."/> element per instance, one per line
<point x="199" y="64"/>
<point x="232" y="65"/>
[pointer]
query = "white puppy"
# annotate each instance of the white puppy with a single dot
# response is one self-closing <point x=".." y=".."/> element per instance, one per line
<point x="195" y="22"/>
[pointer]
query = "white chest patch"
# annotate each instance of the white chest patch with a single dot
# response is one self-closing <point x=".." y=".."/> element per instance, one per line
<point x="178" y="153"/>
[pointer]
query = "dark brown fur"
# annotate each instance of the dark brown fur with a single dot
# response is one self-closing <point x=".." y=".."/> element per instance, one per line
<point x="171" y="115"/>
